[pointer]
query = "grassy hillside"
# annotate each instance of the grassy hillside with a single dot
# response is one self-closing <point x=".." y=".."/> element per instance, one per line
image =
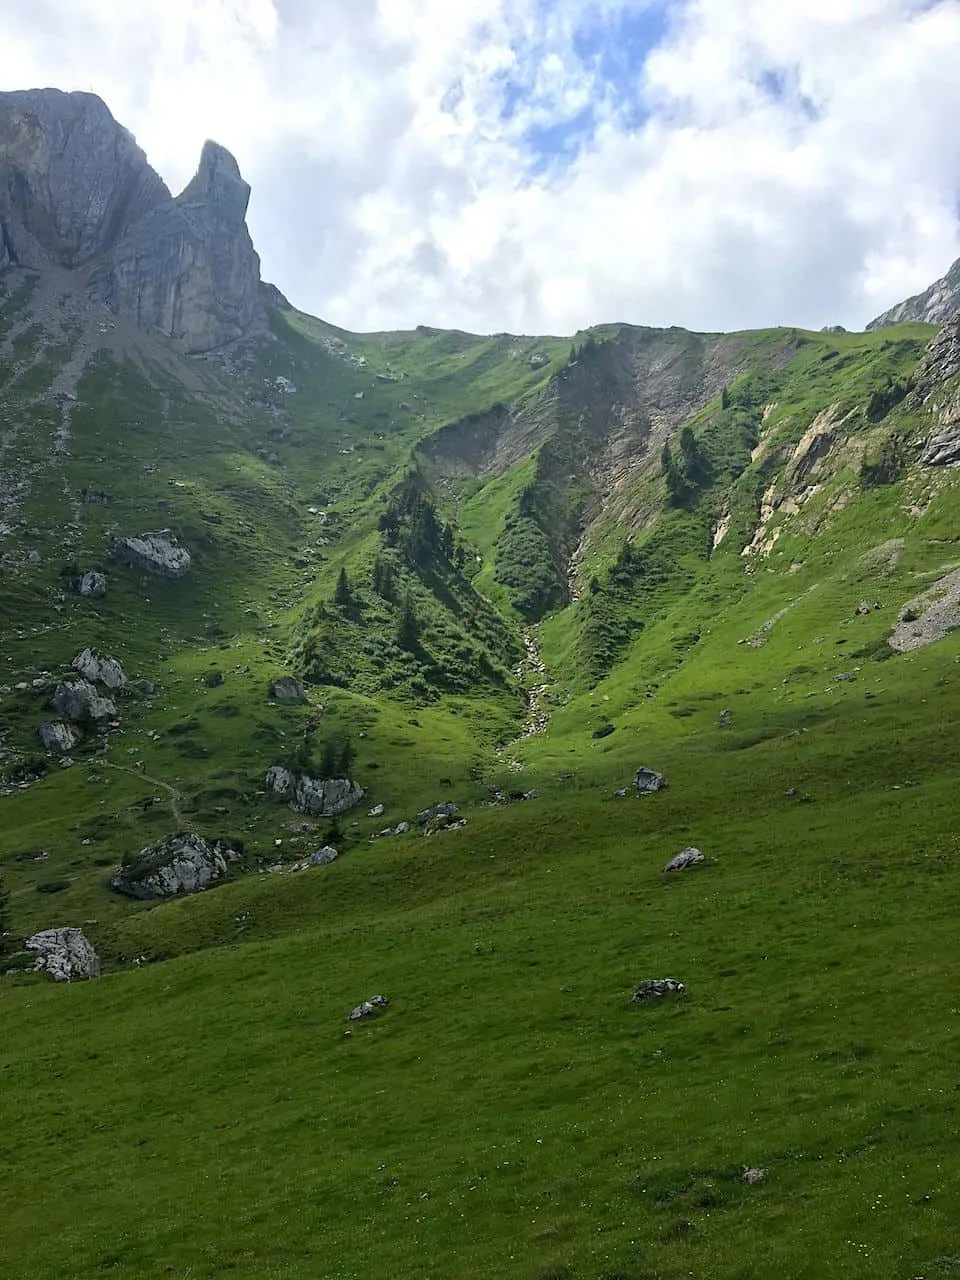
<point x="205" y="1109"/>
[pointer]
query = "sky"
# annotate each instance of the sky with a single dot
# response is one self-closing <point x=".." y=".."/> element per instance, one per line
<point x="544" y="165"/>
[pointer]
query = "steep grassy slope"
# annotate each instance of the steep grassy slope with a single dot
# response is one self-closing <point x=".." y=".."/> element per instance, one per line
<point x="205" y="1109"/>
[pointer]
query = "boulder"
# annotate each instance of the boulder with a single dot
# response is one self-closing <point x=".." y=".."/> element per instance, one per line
<point x="369" y="1009"/>
<point x="319" y="797"/>
<point x="646" y="780"/>
<point x="323" y="856"/>
<point x="445" y="810"/>
<point x="684" y="859"/>
<point x="93" y="584"/>
<point x="79" y="701"/>
<point x="656" y="989"/>
<point x="288" y="689"/>
<point x="376" y="811"/>
<point x="94" y="666"/>
<point x="65" y="954"/>
<point x="158" y="552"/>
<point x="178" y="865"/>
<point x="58" y="737"/>
<point x="142" y="688"/>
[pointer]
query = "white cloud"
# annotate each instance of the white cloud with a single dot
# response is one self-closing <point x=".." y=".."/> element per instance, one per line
<point x="794" y="162"/>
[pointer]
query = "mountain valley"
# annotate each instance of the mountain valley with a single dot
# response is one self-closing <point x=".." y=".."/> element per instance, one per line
<point x="331" y="665"/>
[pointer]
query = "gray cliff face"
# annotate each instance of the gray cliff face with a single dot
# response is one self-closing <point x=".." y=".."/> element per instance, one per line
<point x="936" y="305"/>
<point x="77" y="192"/>
<point x="71" y="178"/>
<point x="189" y="267"/>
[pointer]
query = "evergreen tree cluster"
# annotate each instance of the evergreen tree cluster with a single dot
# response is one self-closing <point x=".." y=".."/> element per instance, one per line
<point x="686" y="474"/>
<point x="412" y="525"/>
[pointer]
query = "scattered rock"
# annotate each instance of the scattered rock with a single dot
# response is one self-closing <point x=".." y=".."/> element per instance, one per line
<point x="324" y="856"/>
<point x="288" y="689"/>
<point x="142" y="688"/>
<point x="648" y="780"/>
<point x="93" y="584"/>
<point x="369" y="1009"/>
<point x="621" y="793"/>
<point x="180" y="864"/>
<point x="158" y="552"/>
<point x="320" y="797"/>
<point x="684" y="859"/>
<point x="863" y="609"/>
<point x="376" y="811"/>
<point x="79" y="701"/>
<point x="928" y="617"/>
<point x="65" y="954"/>
<point x="752" y="1175"/>
<point x="656" y="989"/>
<point x="446" y="809"/>
<point x="58" y="737"/>
<point x="725" y="719"/>
<point x="94" y="666"/>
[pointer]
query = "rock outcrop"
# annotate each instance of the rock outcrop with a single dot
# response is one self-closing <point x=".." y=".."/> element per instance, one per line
<point x="79" y="701"/>
<point x="65" y="954"/>
<point x="320" y="797"/>
<point x="685" y="859"/>
<point x="288" y="689"/>
<point x="94" y="666"/>
<point x="181" y="864"/>
<point x="158" y="552"/>
<point x="936" y="305"/>
<point x="646" y="780"/>
<point x="71" y="179"/>
<point x="656" y="989"/>
<point x="58" y="737"/>
<point x="445" y="810"/>
<point x="93" y="584"/>
<point x="323" y="857"/>
<point x="77" y="192"/>
<point x="188" y="268"/>
<point x="369" y="1009"/>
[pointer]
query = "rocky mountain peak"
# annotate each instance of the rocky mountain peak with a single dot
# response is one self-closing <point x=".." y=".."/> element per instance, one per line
<point x="71" y="178"/>
<point x="936" y="305"/>
<point x="77" y="192"/>
<point x="218" y="181"/>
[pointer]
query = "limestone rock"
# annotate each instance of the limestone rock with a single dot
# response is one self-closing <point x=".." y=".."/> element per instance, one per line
<point x="936" y="305"/>
<point x="95" y="667"/>
<point x="93" y="584"/>
<point x="288" y="689"/>
<point x="942" y="448"/>
<point x="322" y="857"/>
<point x="188" y="267"/>
<point x="77" y="192"/>
<point x="158" y="552"/>
<point x="684" y="859"/>
<point x="648" y="780"/>
<point x="65" y="954"/>
<point x="445" y="810"/>
<point x="656" y="989"/>
<point x="180" y="864"/>
<point x="78" y="700"/>
<point x="71" y="178"/>
<point x="320" y="797"/>
<point x="58" y="737"/>
<point x="369" y="1009"/>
